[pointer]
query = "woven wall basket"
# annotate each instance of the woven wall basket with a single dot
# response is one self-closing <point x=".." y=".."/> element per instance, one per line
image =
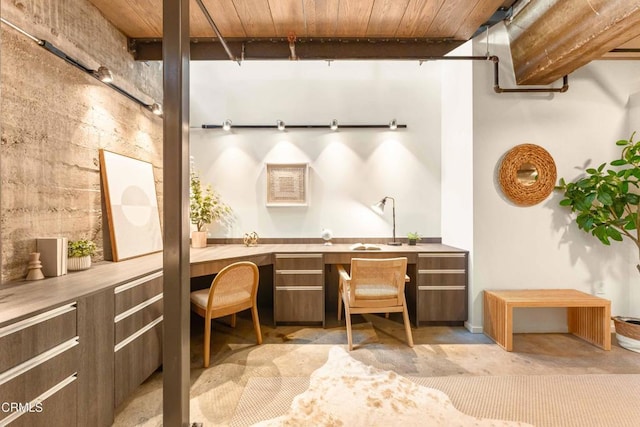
<point x="539" y="187"/>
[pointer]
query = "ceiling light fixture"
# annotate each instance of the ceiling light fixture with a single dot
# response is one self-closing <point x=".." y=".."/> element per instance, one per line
<point x="226" y="125"/>
<point x="102" y="73"/>
<point x="280" y="125"/>
<point x="334" y="125"/>
<point x="393" y="124"/>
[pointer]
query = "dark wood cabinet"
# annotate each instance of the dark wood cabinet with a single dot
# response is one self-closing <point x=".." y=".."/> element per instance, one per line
<point x="298" y="288"/>
<point x="441" y="291"/>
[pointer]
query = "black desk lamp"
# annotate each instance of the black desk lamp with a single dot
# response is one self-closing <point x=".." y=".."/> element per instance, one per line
<point x="379" y="209"/>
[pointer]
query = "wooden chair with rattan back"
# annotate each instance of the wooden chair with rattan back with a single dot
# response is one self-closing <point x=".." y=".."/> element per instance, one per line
<point x="234" y="289"/>
<point x="374" y="286"/>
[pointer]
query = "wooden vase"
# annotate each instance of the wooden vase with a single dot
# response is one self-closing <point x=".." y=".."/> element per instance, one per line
<point x="199" y="239"/>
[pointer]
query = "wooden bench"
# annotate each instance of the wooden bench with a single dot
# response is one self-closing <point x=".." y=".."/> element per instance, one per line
<point x="588" y="316"/>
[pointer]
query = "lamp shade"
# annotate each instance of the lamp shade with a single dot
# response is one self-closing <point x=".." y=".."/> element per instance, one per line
<point x="379" y="207"/>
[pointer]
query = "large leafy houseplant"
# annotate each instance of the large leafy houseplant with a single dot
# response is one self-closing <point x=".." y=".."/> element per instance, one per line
<point x="205" y="205"/>
<point x="605" y="201"/>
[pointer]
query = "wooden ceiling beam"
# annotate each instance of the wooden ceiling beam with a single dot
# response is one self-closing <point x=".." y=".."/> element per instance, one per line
<point x="552" y="38"/>
<point x="315" y="49"/>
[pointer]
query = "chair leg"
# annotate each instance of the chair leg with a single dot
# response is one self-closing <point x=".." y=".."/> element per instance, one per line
<point x="407" y="325"/>
<point x="256" y="323"/>
<point x="339" y="305"/>
<point x="347" y="316"/>
<point x="233" y="320"/>
<point x="207" y="340"/>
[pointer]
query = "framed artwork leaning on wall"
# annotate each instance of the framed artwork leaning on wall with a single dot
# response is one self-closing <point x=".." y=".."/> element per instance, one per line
<point x="132" y="205"/>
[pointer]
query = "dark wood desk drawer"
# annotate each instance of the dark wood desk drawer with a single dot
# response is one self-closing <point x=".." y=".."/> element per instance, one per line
<point x="58" y="408"/>
<point x="298" y="262"/>
<point x="40" y="377"/>
<point x="137" y="291"/>
<point x="27" y="338"/>
<point x="436" y="304"/>
<point x="442" y="261"/>
<point x="442" y="278"/>
<point x="299" y="304"/>
<point x="132" y="321"/>
<point x="137" y="357"/>
<point x="299" y="278"/>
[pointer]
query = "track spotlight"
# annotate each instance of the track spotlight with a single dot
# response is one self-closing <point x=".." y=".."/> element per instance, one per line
<point x="156" y="109"/>
<point x="393" y="124"/>
<point x="280" y="124"/>
<point x="104" y="74"/>
<point x="334" y="124"/>
<point x="226" y="125"/>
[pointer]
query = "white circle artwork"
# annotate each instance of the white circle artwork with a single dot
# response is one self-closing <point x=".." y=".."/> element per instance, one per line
<point x="136" y="206"/>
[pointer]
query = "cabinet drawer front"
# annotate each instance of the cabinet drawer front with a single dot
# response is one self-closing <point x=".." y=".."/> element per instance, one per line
<point x="56" y="407"/>
<point x="137" y="320"/>
<point x="442" y="278"/>
<point x="33" y="378"/>
<point x="136" y="360"/>
<point x="299" y="262"/>
<point x="27" y="338"/>
<point x="286" y="278"/>
<point x="442" y="305"/>
<point x="137" y="291"/>
<point x="304" y="305"/>
<point x="445" y="261"/>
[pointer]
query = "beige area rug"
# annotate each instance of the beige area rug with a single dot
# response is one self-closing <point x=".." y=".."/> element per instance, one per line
<point x="334" y="396"/>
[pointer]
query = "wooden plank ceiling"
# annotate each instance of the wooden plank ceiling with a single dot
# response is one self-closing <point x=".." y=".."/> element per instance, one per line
<point x="391" y="29"/>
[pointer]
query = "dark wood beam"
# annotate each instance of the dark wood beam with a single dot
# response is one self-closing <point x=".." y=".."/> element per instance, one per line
<point x="309" y="49"/>
<point x="552" y="38"/>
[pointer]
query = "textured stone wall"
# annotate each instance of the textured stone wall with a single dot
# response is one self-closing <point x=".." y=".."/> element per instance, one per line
<point x="55" y="118"/>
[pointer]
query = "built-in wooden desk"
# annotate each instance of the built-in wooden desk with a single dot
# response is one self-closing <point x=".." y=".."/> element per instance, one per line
<point x="304" y="279"/>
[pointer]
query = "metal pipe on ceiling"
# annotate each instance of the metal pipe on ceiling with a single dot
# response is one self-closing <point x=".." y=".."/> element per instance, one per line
<point x="213" y="25"/>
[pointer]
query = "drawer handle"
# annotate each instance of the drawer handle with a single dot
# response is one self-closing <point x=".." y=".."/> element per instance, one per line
<point x="298" y="288"/>
<point x="137" y="308"/>
<point x="294" y="256"/>
<point x="299" y="271"/>
<point x="136" y="334"/>
<point x="441" y="288"/>
<point x="42" y="317"/>
<point x="443" y="255"/>
<point x="20" y="369"/>
<point x="443" y="271"/>
<point x="137" y="282"/>
<point x="44" y="396"/>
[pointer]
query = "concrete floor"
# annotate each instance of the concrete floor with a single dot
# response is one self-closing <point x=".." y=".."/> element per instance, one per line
<point x="296" y="351"/>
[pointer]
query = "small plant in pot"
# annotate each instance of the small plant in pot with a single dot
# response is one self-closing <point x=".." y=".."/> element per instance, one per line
<point x="606" y="205"/>
<point x="79" y="254"/>
<point x="413" y="238"/>
<point x="205" y="207"/>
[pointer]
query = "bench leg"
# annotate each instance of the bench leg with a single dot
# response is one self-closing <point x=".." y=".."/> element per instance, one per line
<point x="592" y="324"/>
<point x="498" y="321"/>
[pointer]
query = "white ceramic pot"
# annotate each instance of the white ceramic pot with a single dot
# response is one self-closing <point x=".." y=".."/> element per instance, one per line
<point x="79" y="263"/>
<point x="198" y="239"/>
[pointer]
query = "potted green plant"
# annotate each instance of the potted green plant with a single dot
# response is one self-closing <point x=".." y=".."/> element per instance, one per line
<point x="79" y="254"/>
<point x="205" y="207"/>
<point x="605" y="202"/>
<point x="413" y="238"/>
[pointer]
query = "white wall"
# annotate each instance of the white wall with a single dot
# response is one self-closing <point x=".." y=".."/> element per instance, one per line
<point x="349" y="169"/>
<point x="540" y="247"/>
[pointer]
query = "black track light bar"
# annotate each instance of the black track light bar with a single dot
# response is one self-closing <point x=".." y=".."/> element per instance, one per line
<point x="399" y="126"/>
